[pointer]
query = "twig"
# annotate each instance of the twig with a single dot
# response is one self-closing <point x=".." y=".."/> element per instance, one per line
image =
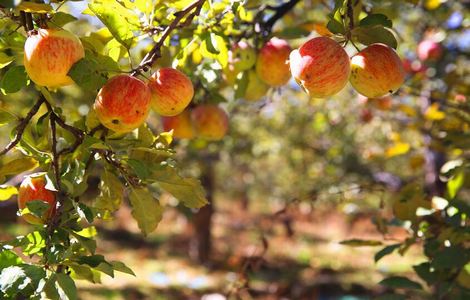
<point x="22" y="126"/>
<point x="109" y="157"/>
<point x="155" y="52"/>
<point x="76" y="132"/>
<point x="280" y="11"/>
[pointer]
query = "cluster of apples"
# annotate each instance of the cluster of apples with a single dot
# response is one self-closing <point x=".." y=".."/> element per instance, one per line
<point x="265" y="70"/>
<point x="124" y="102"/>
<point x="322" y="68"/>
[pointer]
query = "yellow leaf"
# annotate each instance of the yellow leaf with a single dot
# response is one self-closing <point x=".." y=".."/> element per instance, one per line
<point x="408" y="110"/>
<point x="7" y="191"/>
<point x="19" y="165"/>
<point x="397" y="149"/>
<point x="433" y="113"/>
<point x="322" y="30"/>
<point x="32" y="7"/>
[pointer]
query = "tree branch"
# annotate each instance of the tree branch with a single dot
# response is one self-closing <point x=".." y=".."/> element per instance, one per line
<point x="280" y="11"/>
<point x="155" y="52"/>
<point x="22" y="126"/>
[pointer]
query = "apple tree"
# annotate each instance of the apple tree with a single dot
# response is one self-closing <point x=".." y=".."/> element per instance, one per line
<point x="84" y="84"/>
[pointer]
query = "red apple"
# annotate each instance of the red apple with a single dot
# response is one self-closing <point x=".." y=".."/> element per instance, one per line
<point x="33" y="188"/>
<point x="429" y="50"/>
<point x="49" y="55"/>
<point x="172" y="91"/>
<point x="123" y="103"/>
<point x="272" y="66"/>
<point x="321" y="67"/>
<point x="180" y="124"/>
<point x="210" y="122"/>
<point x="376" y="71"/>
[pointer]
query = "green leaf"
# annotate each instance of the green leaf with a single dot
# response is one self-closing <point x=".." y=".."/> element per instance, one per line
<point x="50" y="288"/>
<point x="451" y="257"/>
<point x="424" y="272"/>
<point x="214" y="46"/>
<point x="120" y="21"/>
<point x="18" y="165"/>
<point x="24" y="278"/>
<point x="145" y="136"/>
<point x="91" y="260"/>
<point x="121" y="267"/>
<point x="187" y="190"/>
<point x="367" y="35"/>
<point x="146" y="210"/>
<point x="293" y="33"/>
<point x="87" y="74"/>
<point x="10" y="279"/>
<point x="83" y="272"/>
<point x="5" y="60"/>
<point x="14" y="80"/>
<point x="111" y="192"/>
<point x="455" y="183"/>
<point x="60" y="19"/>
<point x="360" y="243"/>
<point x="140" y="168"/>
<point x="335" y="27"/>
<point x="66" y="287"/>
<point x="386" y="251"/>
<point x="7" y="191"/>
<point x="33" y="243"/>
<point x="376" y="19"/>
<point x="6" y="117"/>
<point x="37" y="207"/>
<point x="9" y="258"/>
<point x="31" y="7"/>
<point x="401" y="283"/>
<point x="87" y="243"/>
<point x="211" y="43"/>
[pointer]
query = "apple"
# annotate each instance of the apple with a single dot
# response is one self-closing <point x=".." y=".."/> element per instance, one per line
<point x="242" y="56"/>
<point x="383" y="103"/>
<point x="123" y="103"/>
<point x="256" y="88"/>
<point x="413" y="66"/>
<point x="376" y="71"/>
<point x="49" y="55"/>
<point x="210" y="121"/>
<point x="33" y="188"/>
<point x="429" y="50"/>
<point x="180" y="124"/>
<point x="229" y="74"/>
<point x="172" y="91"/>
<point x="272" y="66"/>
<point x="321" y="67"/>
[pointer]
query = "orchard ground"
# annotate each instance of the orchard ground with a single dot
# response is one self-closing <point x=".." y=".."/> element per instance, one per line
<point x="308" y="265"/>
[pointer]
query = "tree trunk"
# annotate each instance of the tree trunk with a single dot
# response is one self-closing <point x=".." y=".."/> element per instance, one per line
<point x="201" y="242"/>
